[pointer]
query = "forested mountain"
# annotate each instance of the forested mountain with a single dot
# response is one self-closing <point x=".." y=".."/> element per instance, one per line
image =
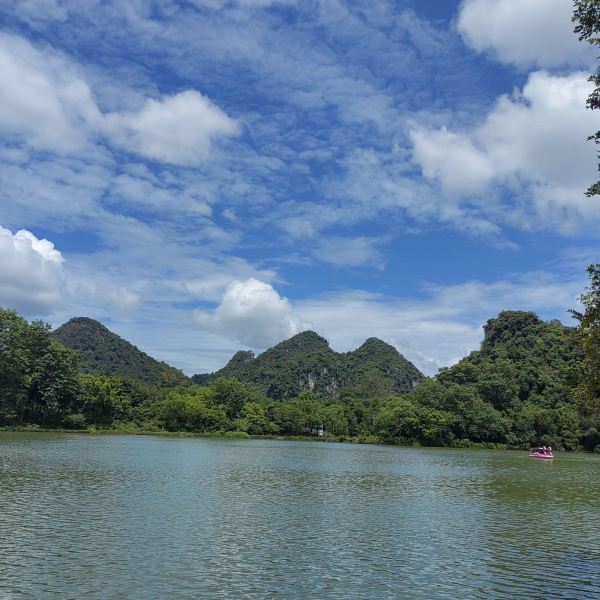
<point x="305" y="362"/>
<point x="102" y="352"/>
<point x="522" y="359"/>
<point x="517" y="389"/>
<point x="377" y="367"/>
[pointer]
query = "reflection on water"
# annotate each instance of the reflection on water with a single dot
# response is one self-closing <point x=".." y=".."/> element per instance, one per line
<point x="142" y="517"/>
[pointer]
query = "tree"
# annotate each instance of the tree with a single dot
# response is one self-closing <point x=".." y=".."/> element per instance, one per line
<point x="14" y="365"/>
<point x="104" y="399"/>
<point x="38" y="375"/>
<point x="290" y="418"/>
<point x="497" y="384"/>
<point x="255" y="419"/>
<point x="588" y="392"/>
<point x="298" y="416"/>
<point x="586" y="15"/>
<point x="334" y="419"/>
<point x="373" y="384"/>
<point x="53" y="383"/>
<point x="472" y="417"/>
<point x="188" y="410"/>
<point x="398" y="420"/>
<point x="233" y="394"/>
<point x="94" y="399"/>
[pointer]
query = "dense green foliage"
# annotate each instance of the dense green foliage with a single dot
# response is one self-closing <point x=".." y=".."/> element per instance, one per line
<point x="587" y="392"/>
<point x="586" y="16"/>
<point x="517" y="389"/>
<point x="531" y="382"/>
<point x="102" y="352"/>
<point x="306" y="363"/>
<point x="38" y="375"/>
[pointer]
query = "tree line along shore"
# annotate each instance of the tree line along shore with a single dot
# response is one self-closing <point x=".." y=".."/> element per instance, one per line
<point x="531" y="383"/>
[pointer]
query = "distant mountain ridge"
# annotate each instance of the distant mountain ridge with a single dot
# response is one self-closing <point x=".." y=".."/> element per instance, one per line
<point x="102" y="352"/>
<point x="305" y="362"/>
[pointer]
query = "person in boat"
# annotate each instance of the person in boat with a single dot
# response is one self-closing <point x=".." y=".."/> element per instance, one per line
<point x="549" y="449"/>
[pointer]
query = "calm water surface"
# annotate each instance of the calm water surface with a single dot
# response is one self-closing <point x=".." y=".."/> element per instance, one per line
<point x="85" y="516"/>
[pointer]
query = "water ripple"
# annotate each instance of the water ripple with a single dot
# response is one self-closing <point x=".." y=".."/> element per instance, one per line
<point x="142" y="517"/>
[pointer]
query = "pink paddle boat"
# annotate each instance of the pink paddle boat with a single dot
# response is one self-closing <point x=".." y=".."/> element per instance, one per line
<point x="543" y="452"/>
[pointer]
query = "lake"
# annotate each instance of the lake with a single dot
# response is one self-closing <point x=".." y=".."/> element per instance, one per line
<point x="152" y="517"/>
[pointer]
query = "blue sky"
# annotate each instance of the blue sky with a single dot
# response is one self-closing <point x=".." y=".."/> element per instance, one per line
<point x="210" y="175"/>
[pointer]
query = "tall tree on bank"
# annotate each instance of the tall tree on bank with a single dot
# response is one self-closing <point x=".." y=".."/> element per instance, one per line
<point x="588" y="393"/>
<point x="38" y="376"/>
<point x="586" y="15"/>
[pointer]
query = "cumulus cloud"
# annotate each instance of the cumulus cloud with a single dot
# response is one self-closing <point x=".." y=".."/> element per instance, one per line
<point x="179" y="129"/>
<point x="43" y="98"/>
<point x="32" y="280"/>
<point x="453" y="159"/>
<point x="253" y="313"/>
<point x="46" y="101"/>
<point x="533" y="142"/>
<point x="526" y="33"/>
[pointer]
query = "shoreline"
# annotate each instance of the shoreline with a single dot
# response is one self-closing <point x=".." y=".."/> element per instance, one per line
<point x="231" y="435"/>
<point x="237" y="435"/>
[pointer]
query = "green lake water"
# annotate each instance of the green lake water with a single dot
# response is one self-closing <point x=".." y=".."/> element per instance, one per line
<point x="84" y="516"/>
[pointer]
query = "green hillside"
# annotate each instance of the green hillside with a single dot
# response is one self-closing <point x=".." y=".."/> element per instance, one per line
<point x="517" y="389"/>
<point x="102" y="352"/>
<point x="376" y="365"/>
<point x="305" y="362"/>
<point x="522" y="359"/>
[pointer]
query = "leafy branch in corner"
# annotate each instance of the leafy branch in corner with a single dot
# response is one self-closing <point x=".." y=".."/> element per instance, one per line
<point x="586" y="15"/>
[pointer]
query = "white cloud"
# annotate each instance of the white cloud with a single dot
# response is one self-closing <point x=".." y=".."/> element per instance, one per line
<point x="533" y="142"/>
<point x="253" y="313"/>
<point x="124" y="302"/>
<point x="350" y="252"/>
<point x="299" y="227"/>
<point x="452" y="158"/>
<point x="211" y="286"/>
<point x="179" y="129"/>
<point x="525" y="33"/>
<point x="43" y="98"/>
<point x="153" y="194"/>
<point x="46" y="101"/>
<point x="32" y="280"/>
<point x="229" y="214"/>
<point x="382" y="185"/>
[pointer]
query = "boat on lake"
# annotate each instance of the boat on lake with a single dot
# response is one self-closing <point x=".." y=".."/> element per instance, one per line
<point x="542" y="452"/>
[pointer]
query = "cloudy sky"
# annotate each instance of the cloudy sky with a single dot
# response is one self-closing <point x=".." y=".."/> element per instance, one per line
<point x="209" y="175"/>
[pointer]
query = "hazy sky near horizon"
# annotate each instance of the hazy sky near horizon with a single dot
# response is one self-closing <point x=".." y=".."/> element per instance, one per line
<point x="209" y="175"/>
